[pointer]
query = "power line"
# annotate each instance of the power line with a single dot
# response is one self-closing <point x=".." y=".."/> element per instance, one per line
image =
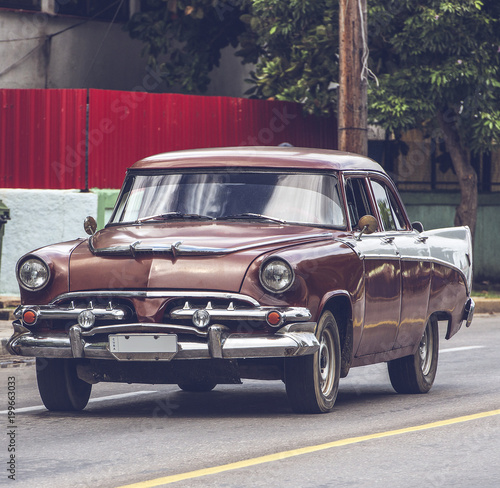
<point x="20" y="61"/>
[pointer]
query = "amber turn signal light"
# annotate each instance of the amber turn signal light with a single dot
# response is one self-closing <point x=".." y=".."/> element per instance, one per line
<point x="29" y="317"/>
<point x="274" y="318"/>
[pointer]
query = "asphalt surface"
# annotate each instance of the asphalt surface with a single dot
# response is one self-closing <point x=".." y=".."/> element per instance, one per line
<point x="246" y="435"/>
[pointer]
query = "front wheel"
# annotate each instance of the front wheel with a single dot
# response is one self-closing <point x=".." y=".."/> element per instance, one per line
<point x="312" y="381"/>
<point x="59" y="385"/>
<point x="415" y="374"/>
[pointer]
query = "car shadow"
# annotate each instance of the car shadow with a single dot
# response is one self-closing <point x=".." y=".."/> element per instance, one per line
<point x="260" y="399"/>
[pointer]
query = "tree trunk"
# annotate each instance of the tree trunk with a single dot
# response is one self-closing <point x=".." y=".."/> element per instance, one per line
<point x="466" y="212"/>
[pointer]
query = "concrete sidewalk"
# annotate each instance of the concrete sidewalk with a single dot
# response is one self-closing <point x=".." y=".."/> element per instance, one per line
<point x="483" y="305"/>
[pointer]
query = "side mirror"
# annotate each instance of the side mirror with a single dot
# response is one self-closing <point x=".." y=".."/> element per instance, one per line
<point x="368" y="225"/>
<point x="418" y="226"/>
<point x="90" y="225"/>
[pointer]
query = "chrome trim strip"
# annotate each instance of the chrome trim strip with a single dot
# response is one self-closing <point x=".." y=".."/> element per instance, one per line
<point x="289" y="314"/>
<point x="52" y="312"/>
<point x="154" y="294"/>
<point x="398" y="257"/>
<point x="239" y="346"/>
<point x="177" y="249"/>
<point x="286" y="342"/>
<point x="144" y="327"/>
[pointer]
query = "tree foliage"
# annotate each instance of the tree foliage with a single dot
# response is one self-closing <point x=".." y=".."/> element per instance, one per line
<point x="294" y="45"/>
<point x="437" y="57"/>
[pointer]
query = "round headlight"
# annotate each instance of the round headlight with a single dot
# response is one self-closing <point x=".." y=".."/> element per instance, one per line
<point x="33" y="274"/>
<point x="276" y="275"/>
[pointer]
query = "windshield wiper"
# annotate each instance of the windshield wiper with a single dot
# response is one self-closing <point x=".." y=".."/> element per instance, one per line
<point x="173" y="215"/>
<point x="252" y="216"/>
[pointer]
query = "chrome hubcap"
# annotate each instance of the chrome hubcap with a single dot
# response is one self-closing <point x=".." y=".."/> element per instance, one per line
<point x="326" y="363"/>
<point x="425" y="351"/>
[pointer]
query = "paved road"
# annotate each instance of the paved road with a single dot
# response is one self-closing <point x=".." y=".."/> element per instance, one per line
<point x="374" y="437"/>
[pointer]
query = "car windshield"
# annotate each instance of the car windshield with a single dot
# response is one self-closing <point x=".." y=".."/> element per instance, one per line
<point x="303" y="198"/>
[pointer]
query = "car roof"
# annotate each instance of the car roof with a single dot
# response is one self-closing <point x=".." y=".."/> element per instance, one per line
<point x="297" y="158"/>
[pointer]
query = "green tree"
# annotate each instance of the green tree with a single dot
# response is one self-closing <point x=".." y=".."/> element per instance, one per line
<point x="438" y="68"/>
<point x="293" y="44"/>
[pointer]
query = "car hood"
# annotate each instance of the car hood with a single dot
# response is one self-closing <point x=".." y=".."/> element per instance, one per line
<point x="187" y="256"/>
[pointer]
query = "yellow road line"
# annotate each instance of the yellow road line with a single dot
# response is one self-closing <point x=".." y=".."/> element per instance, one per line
<point x="304" y="450"/>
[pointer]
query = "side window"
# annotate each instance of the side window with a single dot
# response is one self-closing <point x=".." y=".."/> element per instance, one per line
<point x="357" y="200"/>
<point x="390" y="213"/>
<point x="397" y="211"/>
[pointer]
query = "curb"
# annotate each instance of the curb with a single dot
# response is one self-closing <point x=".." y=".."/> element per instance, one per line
<point x="487" y="305"/>
<point x="9" y="302"/>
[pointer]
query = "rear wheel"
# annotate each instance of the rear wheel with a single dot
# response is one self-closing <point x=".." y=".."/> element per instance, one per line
<point x="312" y="381"/>
<point x="415" y="374"/>
<point x="59" y="385"/>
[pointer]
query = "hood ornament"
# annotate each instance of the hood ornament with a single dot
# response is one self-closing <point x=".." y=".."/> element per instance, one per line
<point x="175" y="249"/>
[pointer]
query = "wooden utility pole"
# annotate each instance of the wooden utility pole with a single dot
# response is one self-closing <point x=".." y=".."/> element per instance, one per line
<point x="353" y="64"/>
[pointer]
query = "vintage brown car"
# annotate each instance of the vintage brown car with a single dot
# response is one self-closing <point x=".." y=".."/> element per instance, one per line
<point x="229" y="263"/>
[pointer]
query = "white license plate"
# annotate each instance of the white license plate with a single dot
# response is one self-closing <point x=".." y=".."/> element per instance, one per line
<point x="142" y="343"/>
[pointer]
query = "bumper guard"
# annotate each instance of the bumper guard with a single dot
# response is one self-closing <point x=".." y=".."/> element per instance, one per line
<point x="296" y="339"/>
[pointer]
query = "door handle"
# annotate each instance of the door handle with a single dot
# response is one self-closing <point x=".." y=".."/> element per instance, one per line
<point x="387" y="239"/>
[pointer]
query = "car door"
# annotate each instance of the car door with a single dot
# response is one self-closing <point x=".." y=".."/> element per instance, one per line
<point x="382" y="282"/>
<point x="415" y="266"/>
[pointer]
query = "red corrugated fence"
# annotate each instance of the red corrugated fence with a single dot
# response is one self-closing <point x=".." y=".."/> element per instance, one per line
<point x="42" y="138"/>
<point x="45" y="142"/>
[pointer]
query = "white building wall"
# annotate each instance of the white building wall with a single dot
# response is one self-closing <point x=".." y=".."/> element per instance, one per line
<point x="228" y="79"/>
<point x="39" y="218"/>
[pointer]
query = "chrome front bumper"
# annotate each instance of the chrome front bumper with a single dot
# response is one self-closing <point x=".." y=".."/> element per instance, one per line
<point x="296" y="339"/>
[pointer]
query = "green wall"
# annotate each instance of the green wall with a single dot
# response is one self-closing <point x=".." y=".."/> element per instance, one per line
<point x="105" y="203"/>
